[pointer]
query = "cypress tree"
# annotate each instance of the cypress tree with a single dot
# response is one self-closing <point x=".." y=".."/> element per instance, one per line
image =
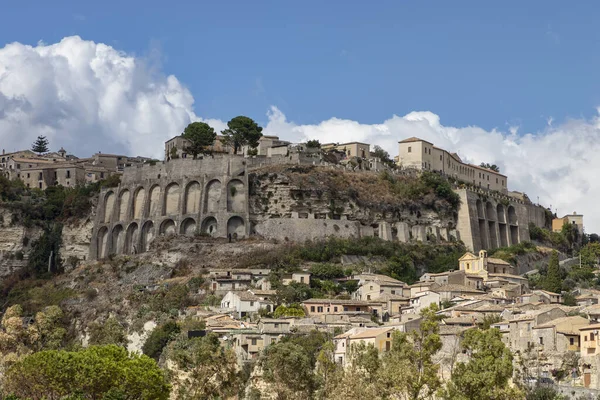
<point x="553" y="282"/>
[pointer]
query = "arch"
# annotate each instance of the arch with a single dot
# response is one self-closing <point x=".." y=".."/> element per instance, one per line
<point x="109" y="206"/>
<point x="236" y="196"/>
<point x="212" y="197"/>
<point x="147" y="235"/>
<point x="480" y="213"/>
<point x="131" y="239"/>
<point x="138" y="203"/>
<point x="512" y="216"/>
<point x="500" y="213"/>
<point x="209" y="226"/>
<point x="490" y="212"/>
<point x="188" y="227"/>
<point x="236" y="227"/>
<point x="171" y="206"/>
<point x="123" y="205"/>
<point x="102" y="243"/>
<point x="167" y="227"/>
<point x="117" y="240"/>
<point x="192" y="198"/>
<point x="154" y="206"/>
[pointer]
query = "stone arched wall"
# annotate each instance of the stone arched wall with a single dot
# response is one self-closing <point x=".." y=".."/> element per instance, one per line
<point x="147" y="235"/>
<point x="123" y="205"/>
<point x="210" y="226"/>
<point x="236" y="227"/>
<point x="168" y="228"/>
<point x="171" y="206"/>
<point x="138" y="203"/>
<point x="131" y="239"/>
<point x="192" y="198"/>
<point x="236" y="196"/>
<point x="212" y="197"/>
<point x="502" y="228"/>
<point x="102" y="243"/>
<point x="117" y="240"/>
<point x="188" y="227"/>
<point x="154" y="204"/>
<point x="109" y="206"/>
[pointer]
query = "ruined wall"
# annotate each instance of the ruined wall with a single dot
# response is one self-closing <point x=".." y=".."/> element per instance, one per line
<point x="488" y="220"/>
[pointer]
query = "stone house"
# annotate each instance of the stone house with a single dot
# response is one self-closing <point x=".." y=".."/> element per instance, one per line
<point x="222" y="284"/>
<point x="560" y="334"/>
<point x="590" y="355"/>
<point x="265" y="143"/>
<point x="419" y="287"/>
<point x="450" y="291"/>
<point x="298" y="277"/>
<point x="390" y="304"/>
<point x="373" y="286"/>
<point x="586" y="300"/>
<point x="454" y="278"/>
<point x="547" y="297"/>
<point x="319" y="307"/>
<point x="520" y="336"/>
<point x="243" y="303"/>
<point x="351" y="149"/>
<point x="574" y="219"/>
<point x="423" y="300"/>
<point x="379" y="338"/>
<point x="179" y="143"/>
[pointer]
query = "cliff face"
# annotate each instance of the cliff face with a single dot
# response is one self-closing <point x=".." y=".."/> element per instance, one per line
<point x="76" y="237"/>
<point x="15" y="242"/>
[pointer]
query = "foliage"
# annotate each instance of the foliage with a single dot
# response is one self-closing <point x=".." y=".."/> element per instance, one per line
<point x="40" y="145"/>
<point x="44" y="257"/>
<point x="493" y="167"/>
<point x="556" y="240"/>
<point x="110" y="332"/>
<point x="241" y="131"/>
<point x="383" y="155"/>
<point x="209" y="369"/>
<point x="553" y="281"/>
<point x="287" y="367"/>
<point x="313" y="144"/>
<point x="91" y="373"/>
<point x="543" y="393"/>
<point x="487" y="373"/>
<point x="291" y="311"/>
<point x="159" y="338"/>
<point x="200" y="136"/>
<point x="166" y="298"/>
<point x="327" y="271"/>
<point x="590" y="254"/>
<point x="510" y="253"/>
<point x="293" y="293"/>
<point x="11" y="190"/>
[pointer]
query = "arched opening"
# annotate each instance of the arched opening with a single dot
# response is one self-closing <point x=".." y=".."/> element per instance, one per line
<point x="512" y="216"/>
<point x="188" y="227"/>
<point x="502" y="229"/>
<point x="147" y="235"/>
<point x="500" y="214"/>
<point x="480" y="213"/>
<point x="131" y="239"/>
<point x="209" y="226"/>
<point x="109" y="206"/>
<point x="192" y="198"/>
<point x="154" y="206"/>
<point x="172" y="199"/>
<point x="123" y="205"/>
<point x="236" y="196"/>
<point x="212" y="197"/>
<point x="138" y="203"/>
<point x="102" y="243"/>
<point x="490" y="212"/>
<point x="167" y="228"/>
<point x="117" y="241"/>
<point x="235" y="227"/>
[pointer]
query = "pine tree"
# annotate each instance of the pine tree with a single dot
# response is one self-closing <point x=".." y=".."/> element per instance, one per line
<point x="40" y="145"/>
<point x="553" y="282"/>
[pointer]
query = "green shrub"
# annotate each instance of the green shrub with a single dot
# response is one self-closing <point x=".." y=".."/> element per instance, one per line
<point x="159" y="338"/>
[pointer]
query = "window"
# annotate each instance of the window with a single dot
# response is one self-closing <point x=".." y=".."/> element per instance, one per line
<point x="368" y="297"/>
<point x="393" y="292"/>
<point x="335" y="309"/>
<point x="528" y="327"/>
<point x="345" y="308"/>
<point x="320" y="309"/>
<point x="18" y="166"/>
<point x="39" y="176"/>
<point x="440" y="157"/>
<point x="591" y="350"/>
<point x="251" y="304"/>
<point x="276" y="325"/>
<point x="591" y="336"/>
<point x="496" y="180"/>
<point x="68" y="174"/>
<point x="389" y="334"/>
<point x="409" y="149"/>
<point x="571" y="341"/>
<point x="40" y="185"/>
<point x="28" y="175"/>
<point x="312" y="308"/>
<point x="541" y="340"/>
<point x="357" y="308"/>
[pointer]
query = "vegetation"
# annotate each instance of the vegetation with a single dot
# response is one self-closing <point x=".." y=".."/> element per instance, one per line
<point x="383" y="155"/>
<point x="291" y="311"/>
<point x="200" y="136"/>
<point x="159" y="338"/>
<point x="98" y="372"/>
<point x="493" y="167"/>
<point x="241" y="131"/>
<point x="553" y="281"/>
<point x="315" y="144"/>
<point x="510" y="253"/>
<point x="40" y="145"/>
<point x="109" y="332"/>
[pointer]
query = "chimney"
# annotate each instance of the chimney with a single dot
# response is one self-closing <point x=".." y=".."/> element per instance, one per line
<point x="3" y="151"/>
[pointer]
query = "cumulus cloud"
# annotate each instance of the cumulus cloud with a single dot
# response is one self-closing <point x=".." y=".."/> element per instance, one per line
<point x="90" y="97"/>
<point x="558" y="164"/>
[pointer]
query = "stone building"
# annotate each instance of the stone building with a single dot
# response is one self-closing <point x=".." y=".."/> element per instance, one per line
<point x="574" y="219"/>
<point x="351" y="149"/>
<point x="176" y="147"/>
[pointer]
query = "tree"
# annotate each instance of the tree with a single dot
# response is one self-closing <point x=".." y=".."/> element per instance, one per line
<point x="110" y="332"/>
<point x="553" y="281"/>
<point x="209" y="370"/>
<point x="173" y="153"/>
<point x="487" y="374"/>
<point x="241" y="131"/>
<point x="40" y="145"/>
<point x="200" y="135"/>
<point x="48" y="331"/>
<point x="590" y="254"/>
<point x="594" y="238"/>
<point x="409" y="368"/>
<point x="314" y="144"/>
<point x="97" y="372"/>
<point x="493" y="167"/>
<point x="291" y="311"/>
<point x="159" y="338"/>
<point x="383" y="155"/>
<point x="287" y="367"/>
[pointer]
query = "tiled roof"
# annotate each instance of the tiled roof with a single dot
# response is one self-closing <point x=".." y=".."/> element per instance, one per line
<point x="497" y="261"/>
<point x="414" y="139"/>
<point x="371" y="333"/>
<point x="457" y="288"/>
<point x="335" y="301"/>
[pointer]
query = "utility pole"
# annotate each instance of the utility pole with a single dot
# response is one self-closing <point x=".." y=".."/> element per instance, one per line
<point x="50" y="261"/>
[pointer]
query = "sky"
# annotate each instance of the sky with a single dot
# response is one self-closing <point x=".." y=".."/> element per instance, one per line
<point x="512" y="83"/>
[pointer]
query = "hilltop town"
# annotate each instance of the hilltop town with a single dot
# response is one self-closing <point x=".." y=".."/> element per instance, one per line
<point x="316" y="255"/>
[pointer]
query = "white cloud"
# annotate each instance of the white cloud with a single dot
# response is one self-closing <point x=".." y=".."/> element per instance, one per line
<point x="89" y="97"/>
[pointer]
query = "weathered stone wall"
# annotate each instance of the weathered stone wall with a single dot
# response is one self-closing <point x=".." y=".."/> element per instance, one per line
<point x="488" y="220"/>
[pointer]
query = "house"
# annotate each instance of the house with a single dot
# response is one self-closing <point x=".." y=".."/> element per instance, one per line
<point x="547" y="297"/>
<point x="319" y="307"/>
<point x="372" y="286"/>
<point x="423" y="300"/>
<point x="419" y="287"/>
<point x="454" y="277"/>
<point x="298" y="277"/>
<point x="560" y="334"/>
<point x="573" y="219"/>
<point x="222" y="284"/>
<point x="243" y="303"/>
<point x="390" y="304"/>
<point x="590" y="349"/>
<point x="587" y="300"/>
<point x="379" y="338"/>
<point x="483" y="265"/>
<point x="520" y="336"/>
<point x="450" y="291"/>
<point x="351" y="149"/>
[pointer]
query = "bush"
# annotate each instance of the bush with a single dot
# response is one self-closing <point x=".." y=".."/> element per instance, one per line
<point x="159" y="338"/>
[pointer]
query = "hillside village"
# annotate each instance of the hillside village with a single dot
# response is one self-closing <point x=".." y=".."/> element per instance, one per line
<point x="227" y="239"/>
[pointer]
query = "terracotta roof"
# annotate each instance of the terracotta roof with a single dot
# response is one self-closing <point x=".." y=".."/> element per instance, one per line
<point x="371" y="333"/>
<point x="335" y="301"/>
<point x="576" y="320"/>
<point x="511" y="276"/>
<point x="414" y="139"/>
<point x="452" y="330"/>
<point x="497" y="261"/>
<point x="457" y="288"/>
<point x="590" y="327"/>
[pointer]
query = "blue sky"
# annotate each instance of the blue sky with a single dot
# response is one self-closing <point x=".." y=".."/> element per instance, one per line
<point x="511" y="83"/>
<point x="474" y="63"/>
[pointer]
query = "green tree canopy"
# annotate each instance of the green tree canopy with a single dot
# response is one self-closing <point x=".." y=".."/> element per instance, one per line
<point x="287" y="367"/>
<point x="493" y="167"/>
<point x="242" y="131"/>
<point x="313" y="144"/>
<point x="159" y="338"/>
<point x="109" y="332"/>
<point x="553" y="281"/>
<point x="93" y="373"/>
<point x="40" y="145"/>
<point x="383" y="155"/>
<point x="487" y="374"/>
<point x="200" y="136"/>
